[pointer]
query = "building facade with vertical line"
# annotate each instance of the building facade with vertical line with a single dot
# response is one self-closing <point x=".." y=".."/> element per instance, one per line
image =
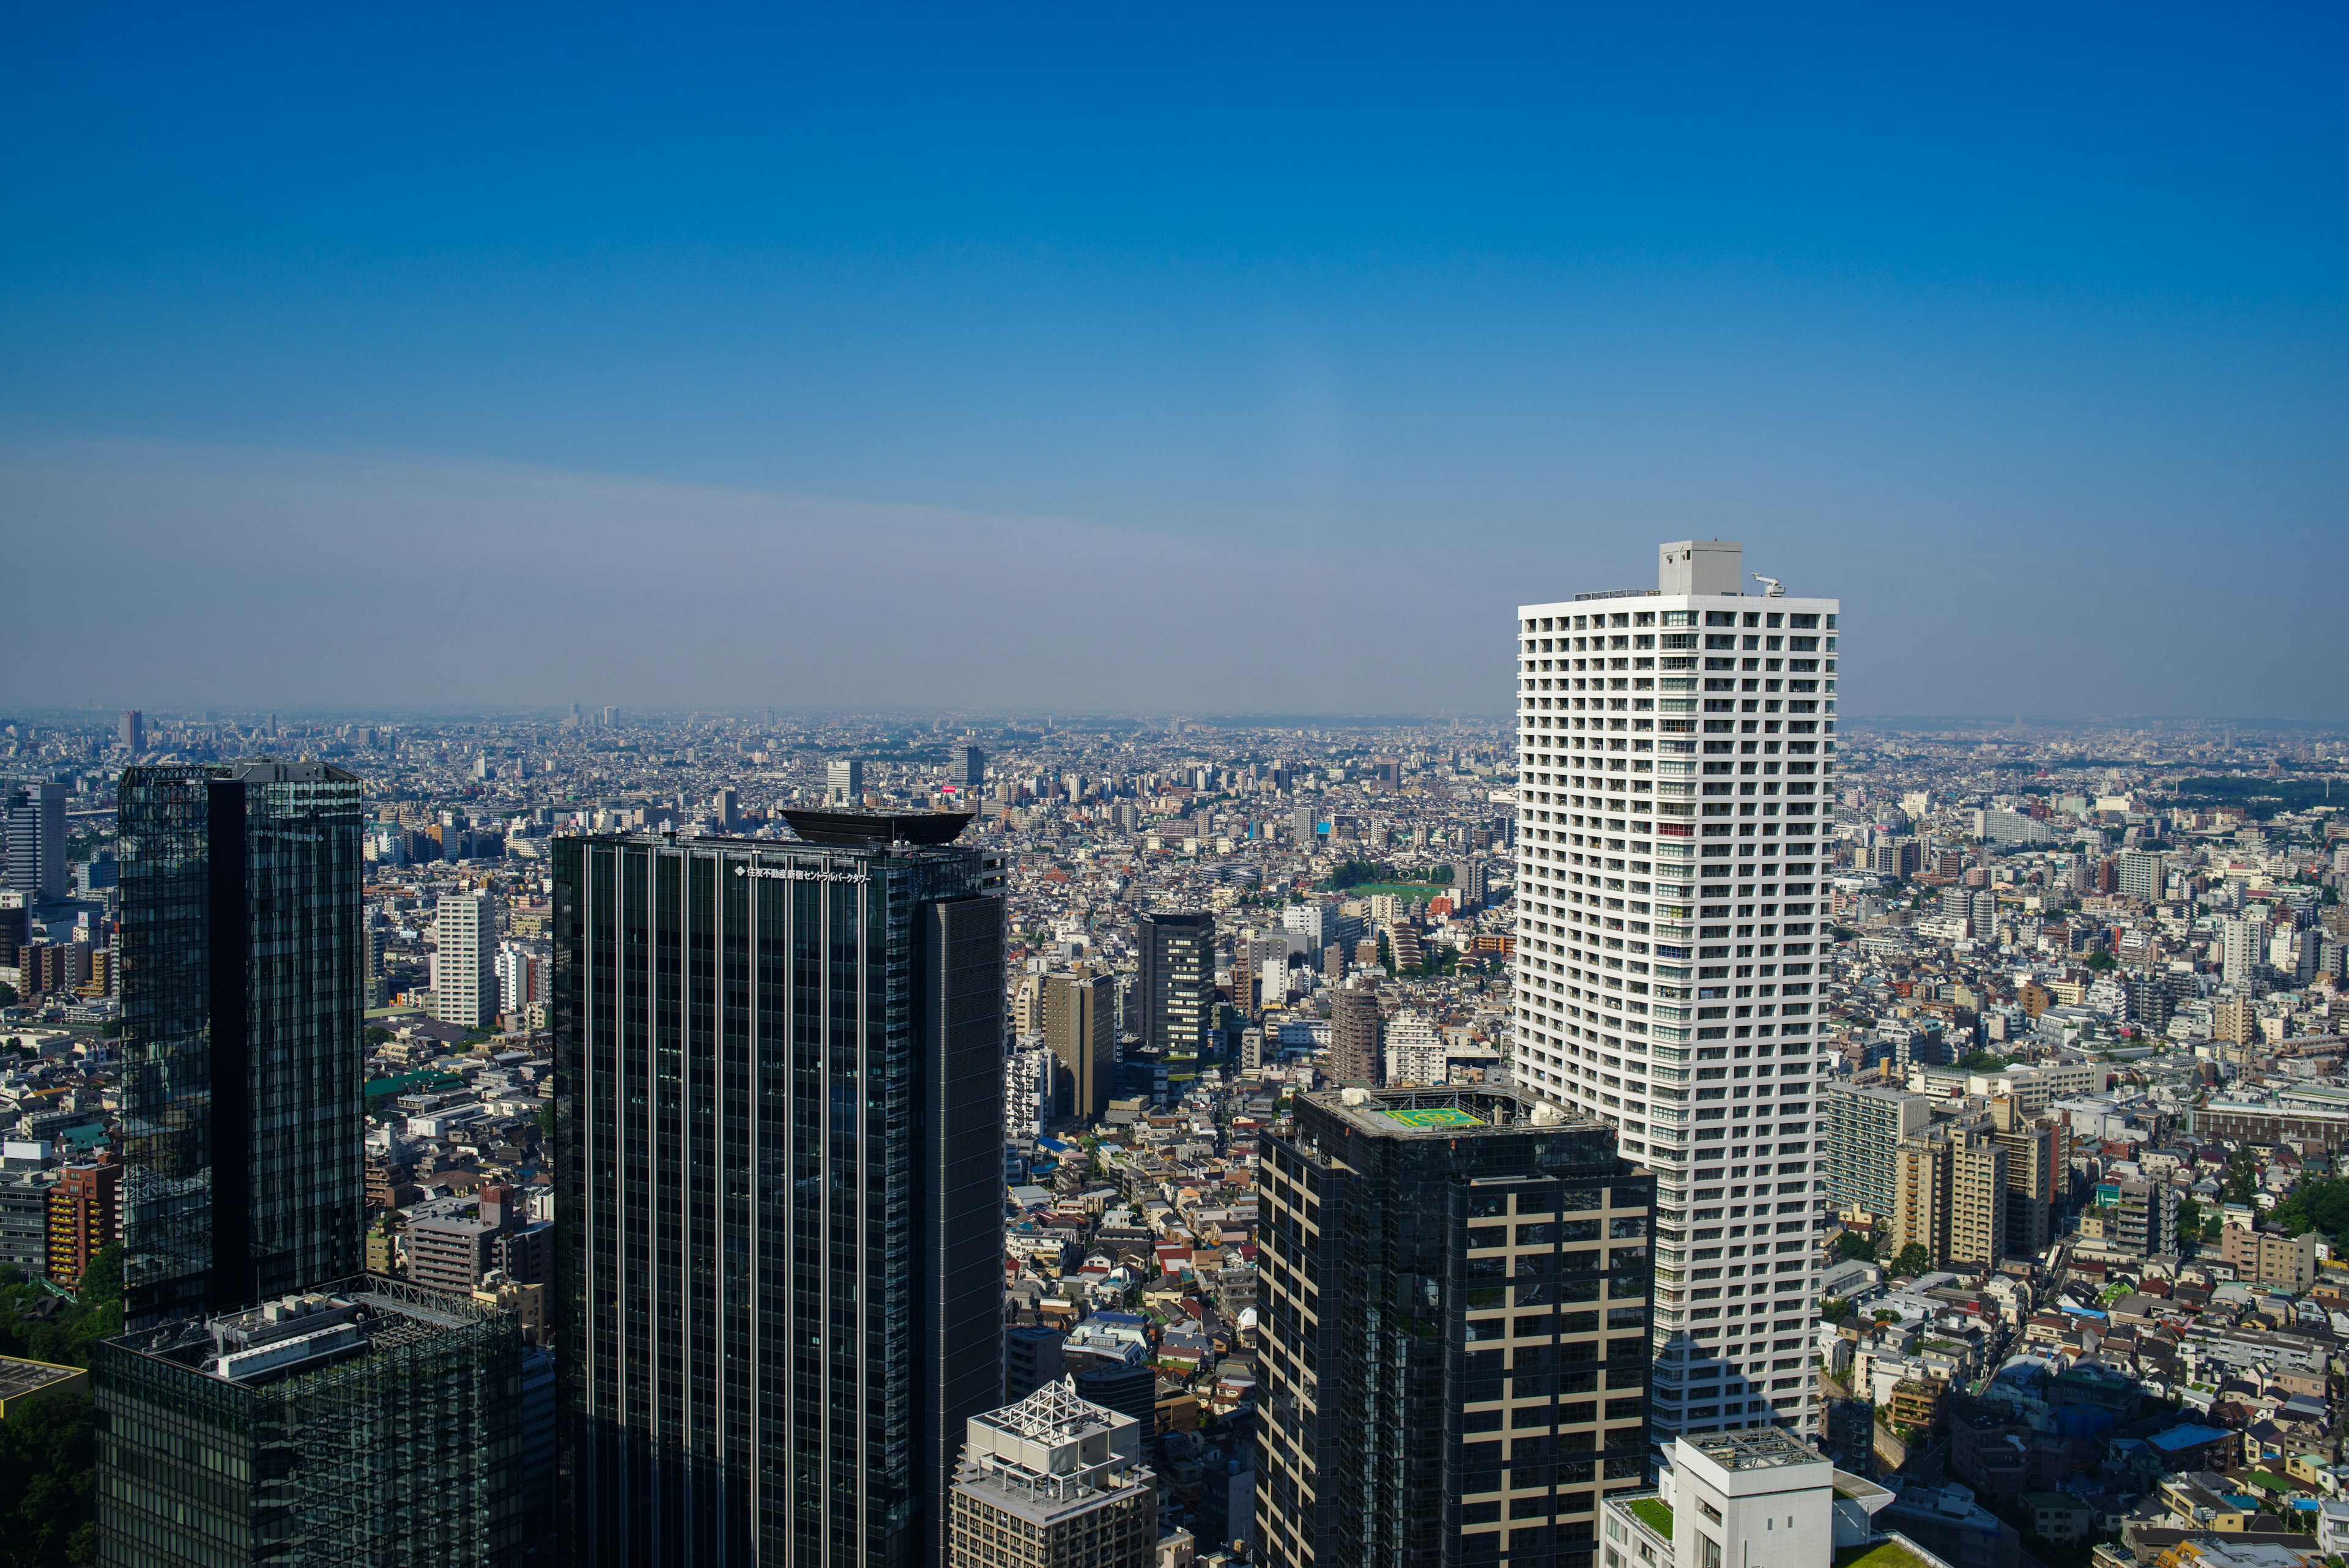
<point x="1454" y="1295"/>
<point x="778" y="1108"/>
<point x="1175" y="985"/>
<point x="1676" y="762"/>
<point x="242" y="1010"/>
<point x="1865" y="1124"/>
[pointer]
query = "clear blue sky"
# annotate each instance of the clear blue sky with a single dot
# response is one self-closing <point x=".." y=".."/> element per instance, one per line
<point x="1171" y="359"/>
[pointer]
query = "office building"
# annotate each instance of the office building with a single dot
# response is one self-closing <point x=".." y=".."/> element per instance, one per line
<point x="2140" y="873"/>
<point x="85" y="1214"/>
<point x="2037" y="1174"/>
<point x="464" y="962"/>
<point x="1455" y="1294"/>
<point x="130" y="730"/>
<point x="33" y="820"/>
<point x="969" y="768"/>
<point x="1864" y="1125"/>
<point x="1080" y="1023"/>
<point x="1175" y="989"/>
<point x="2242" y="949"/>
<point x="2149" y="1000"/>
<point x="1053" y="1482"/>
<point x="799" y="1227"/>
<point x="1676" y="766"/>
<point x="24" y="1221"/>
<point x="1357" y="1052"/>
<point x="243" y="1011"/>
<point x="844" y="784"/>
<point x="1031" y="1358"/>
<point x="366" y="1422"/>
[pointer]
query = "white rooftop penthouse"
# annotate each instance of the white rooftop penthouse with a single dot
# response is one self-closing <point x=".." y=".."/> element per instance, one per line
<point x="1753" y="1499"/>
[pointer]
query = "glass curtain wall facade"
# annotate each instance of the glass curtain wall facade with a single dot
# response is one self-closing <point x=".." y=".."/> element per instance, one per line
<point x="779" y="1114"/>
<point x="1177" y="982"/>
<point x="244" y="1011"/>
<point x="392" y="1444"/>
<point x="1455" y="1297"/>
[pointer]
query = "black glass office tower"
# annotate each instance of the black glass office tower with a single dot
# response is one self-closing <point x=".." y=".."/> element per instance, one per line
<point x="1176" y="983"/>
<point x="778" y="1102"/>
<point x="369" y="1422"/>
<point x="1455" y="1293"/>
<point x="244" y="1009"/>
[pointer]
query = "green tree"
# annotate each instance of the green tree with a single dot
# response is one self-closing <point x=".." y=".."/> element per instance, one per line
<point x="2319" y="1203"/>
<point x="1853" y="1247"/>
<point x="2242" y="1177"/>
<point x="1834" y="1309"/>
<point x="2102" y="961"/>
<point x="1913" y="1259"/>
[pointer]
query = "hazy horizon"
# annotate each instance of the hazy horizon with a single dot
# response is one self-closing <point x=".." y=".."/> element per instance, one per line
<point x="1011" y="363"/>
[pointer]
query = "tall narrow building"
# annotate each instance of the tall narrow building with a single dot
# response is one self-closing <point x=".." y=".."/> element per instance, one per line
<point x="1676" y="762"/>
<point x="33" y="820"/>
<point x="1081" y="1027"/>
<point x="1175" y="989"/>
<point x="779" y="1110"/>
<point x="1456" y="1300"/>
<point x="2036" y="1175"/>
<point x="1356" y="1055"/>
<point x="464" y="961"/>
<point x="242" y="1012"/>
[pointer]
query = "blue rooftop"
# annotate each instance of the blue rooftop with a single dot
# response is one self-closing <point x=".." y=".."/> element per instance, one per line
<point x="2189" y="1437"/>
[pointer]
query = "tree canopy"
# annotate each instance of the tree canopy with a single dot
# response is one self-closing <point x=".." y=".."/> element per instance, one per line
<point x="2320" y="1203"/>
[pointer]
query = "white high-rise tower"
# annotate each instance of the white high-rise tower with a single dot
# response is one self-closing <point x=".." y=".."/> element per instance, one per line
<point x="1676" y="762"/>
<point x="464" y="962"/>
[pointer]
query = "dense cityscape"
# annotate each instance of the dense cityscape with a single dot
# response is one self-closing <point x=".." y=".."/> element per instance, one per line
<point x="1674" y="1117"/>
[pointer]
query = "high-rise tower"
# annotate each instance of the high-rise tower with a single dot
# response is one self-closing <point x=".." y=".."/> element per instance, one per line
<point x="1081" y="1026"/>
<point x="242" y="1010"/>
<point x="464" y="961"/>
<point x="779" y="1109"/>
<point x="33" y="819"/>
<point x="1455" y="1295"/>
<point x="1676" y="752"/>
<point x="1175" y="989"/>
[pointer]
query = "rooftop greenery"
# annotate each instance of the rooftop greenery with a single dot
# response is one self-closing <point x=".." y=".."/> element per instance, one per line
<point x="1653" y="1513"/>
<point x="1883" y="1555"/>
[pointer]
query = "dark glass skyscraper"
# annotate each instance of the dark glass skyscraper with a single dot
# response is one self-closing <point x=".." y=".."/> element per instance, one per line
<point x="369" y="1422"/>
<point x="1455" y="1294"/>
<point x="779" y="1112"/>
<point x="1177" y="985"/>
<point x="242" y="1012"/>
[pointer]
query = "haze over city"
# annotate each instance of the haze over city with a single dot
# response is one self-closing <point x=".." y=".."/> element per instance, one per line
<point x="1214" y="788"/>
<point x="1298" y="344"/>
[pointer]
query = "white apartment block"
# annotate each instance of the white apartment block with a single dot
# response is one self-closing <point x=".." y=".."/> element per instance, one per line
<point x="1675" y="810"/>
<point x="464" y="962"/>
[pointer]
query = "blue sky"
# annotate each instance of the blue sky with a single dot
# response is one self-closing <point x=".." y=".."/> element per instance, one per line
<point x="1301" y="349"/>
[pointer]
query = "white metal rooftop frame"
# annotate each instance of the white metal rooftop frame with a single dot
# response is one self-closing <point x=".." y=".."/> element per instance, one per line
<point x="1753" y="1448"/>
<point x="1053" y="1414"/>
